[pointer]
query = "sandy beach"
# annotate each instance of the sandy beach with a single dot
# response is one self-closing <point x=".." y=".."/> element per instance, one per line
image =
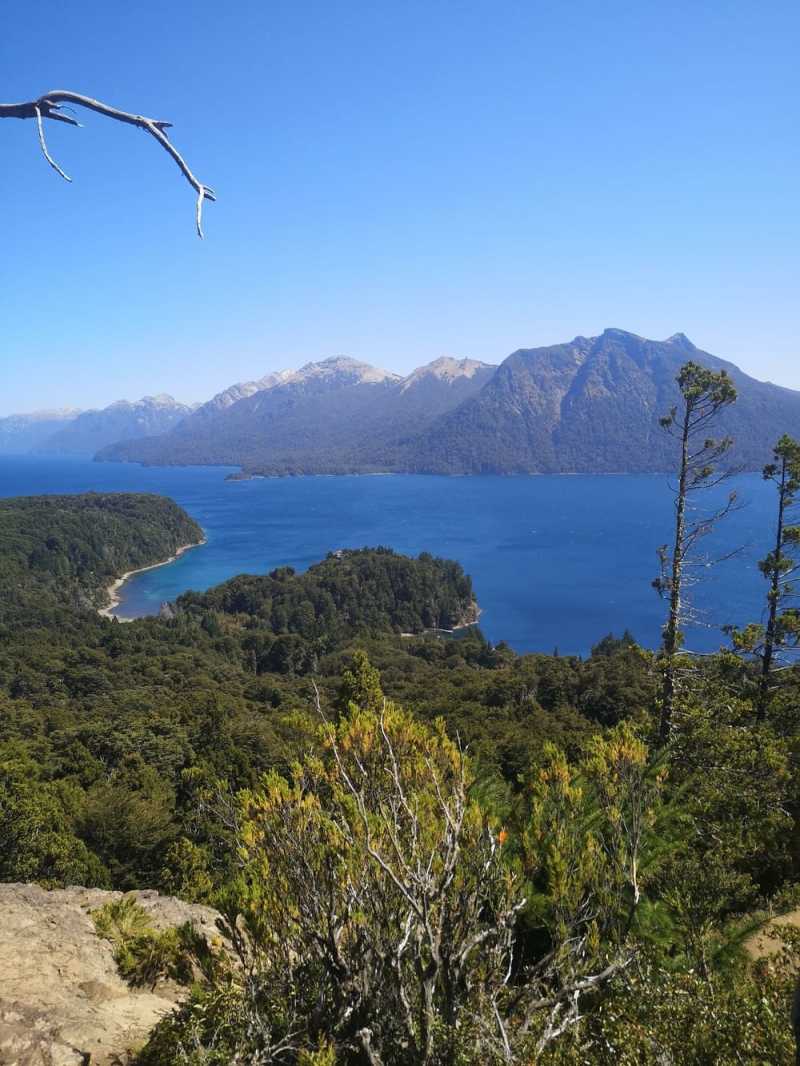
<point x="455" y="629"/>
<point x="113" y="589"/>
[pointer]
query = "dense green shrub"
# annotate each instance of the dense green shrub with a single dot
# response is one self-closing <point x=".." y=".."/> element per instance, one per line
<point x="144" y="955"/>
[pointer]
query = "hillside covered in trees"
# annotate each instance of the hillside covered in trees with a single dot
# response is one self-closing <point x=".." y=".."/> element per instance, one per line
<point x="109" y="731"/>
<point x="278" y="748"/>
<point x="327" y="417"/>
<point x="65" y="550"/>
<point x="350" y="592"/>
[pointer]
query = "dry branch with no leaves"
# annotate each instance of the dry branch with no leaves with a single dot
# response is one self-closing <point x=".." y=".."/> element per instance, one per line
<point x="52" y="105"/>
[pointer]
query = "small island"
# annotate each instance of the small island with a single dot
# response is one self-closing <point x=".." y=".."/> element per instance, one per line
<point x="351" y="591"/>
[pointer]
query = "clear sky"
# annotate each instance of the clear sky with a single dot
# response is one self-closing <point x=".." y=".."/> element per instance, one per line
<point x="396" y="182"/>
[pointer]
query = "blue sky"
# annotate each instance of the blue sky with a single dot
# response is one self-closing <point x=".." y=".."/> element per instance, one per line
<point x="396" y="182"/>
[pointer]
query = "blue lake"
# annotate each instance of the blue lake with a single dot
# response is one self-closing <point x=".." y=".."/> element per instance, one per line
<point x="556" y="561"/>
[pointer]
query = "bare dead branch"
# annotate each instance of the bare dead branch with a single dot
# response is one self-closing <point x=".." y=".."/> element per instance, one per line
<point x="51" y="106"/>
<point x="43" y="145"/>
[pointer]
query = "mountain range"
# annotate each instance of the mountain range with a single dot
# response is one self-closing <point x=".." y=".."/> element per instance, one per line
<point x="21" y="434"/>
<point x="591" y="405"/>
<point x="75" y="432"/>
<point x="336" y="415"/>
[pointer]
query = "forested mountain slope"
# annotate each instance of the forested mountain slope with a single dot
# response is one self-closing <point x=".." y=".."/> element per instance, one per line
<point x="592" y="406"/>
<point x="330" y="416"/>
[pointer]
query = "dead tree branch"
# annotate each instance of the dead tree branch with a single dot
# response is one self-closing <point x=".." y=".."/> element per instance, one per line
<point x="52" y="106"/>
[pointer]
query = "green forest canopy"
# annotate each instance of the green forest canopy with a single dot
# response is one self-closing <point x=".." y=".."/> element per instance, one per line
<point x="114" y="739"/>
<point x="66" y="549"/>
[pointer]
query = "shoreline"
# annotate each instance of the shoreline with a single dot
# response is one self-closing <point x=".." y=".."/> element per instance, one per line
<point x="461" y="625"/>
<point x="240" y="476"/>
<point x="113" y="590"/>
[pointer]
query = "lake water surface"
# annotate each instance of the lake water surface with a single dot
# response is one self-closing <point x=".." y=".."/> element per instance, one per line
<point x="556" y="561"/>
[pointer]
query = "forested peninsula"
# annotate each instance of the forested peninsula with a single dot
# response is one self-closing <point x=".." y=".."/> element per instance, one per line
<point x="64" y="551"/>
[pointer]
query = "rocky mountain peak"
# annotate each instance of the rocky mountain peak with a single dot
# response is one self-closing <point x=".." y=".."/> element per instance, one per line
<point x="622" y="336"/>
<point x="123" y="420"/>
<point x="681" y="341"/>
<point x="242" y="390"/>
<point x="46" y="414"/>
<point x="446" y="369"/>
<point x="161" y="399"/>
<point x="342" y="367"/>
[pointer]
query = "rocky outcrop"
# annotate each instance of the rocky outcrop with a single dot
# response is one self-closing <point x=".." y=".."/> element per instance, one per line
<point x="62" y="1000"/>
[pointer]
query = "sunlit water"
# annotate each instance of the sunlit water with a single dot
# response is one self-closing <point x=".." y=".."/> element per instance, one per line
<point x="557" y="562"/>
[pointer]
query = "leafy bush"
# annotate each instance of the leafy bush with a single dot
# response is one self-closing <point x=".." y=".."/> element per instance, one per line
<point x="376" y="915"/>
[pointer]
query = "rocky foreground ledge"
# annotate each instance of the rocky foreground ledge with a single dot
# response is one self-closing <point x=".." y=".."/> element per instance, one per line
<point x="62" y="1000"/>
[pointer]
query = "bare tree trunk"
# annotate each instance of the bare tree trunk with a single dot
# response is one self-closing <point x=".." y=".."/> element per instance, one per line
<point x="773" y="598"/>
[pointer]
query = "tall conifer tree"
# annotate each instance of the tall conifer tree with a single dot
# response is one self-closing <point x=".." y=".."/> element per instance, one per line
<point x="704" y="393"/>
<point x="783" y="622"/>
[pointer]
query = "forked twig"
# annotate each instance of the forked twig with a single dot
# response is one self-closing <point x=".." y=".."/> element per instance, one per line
<point x="50" y="105"/>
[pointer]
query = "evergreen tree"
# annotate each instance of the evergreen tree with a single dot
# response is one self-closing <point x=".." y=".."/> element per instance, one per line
<point x="361" y="686"/>
<point x="704" y="393"/>
<point x="781" y="630"/>
<point x="783" y="623"/>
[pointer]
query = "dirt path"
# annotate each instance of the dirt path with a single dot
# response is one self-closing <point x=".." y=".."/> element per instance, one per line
<point x="763" y="946"/>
